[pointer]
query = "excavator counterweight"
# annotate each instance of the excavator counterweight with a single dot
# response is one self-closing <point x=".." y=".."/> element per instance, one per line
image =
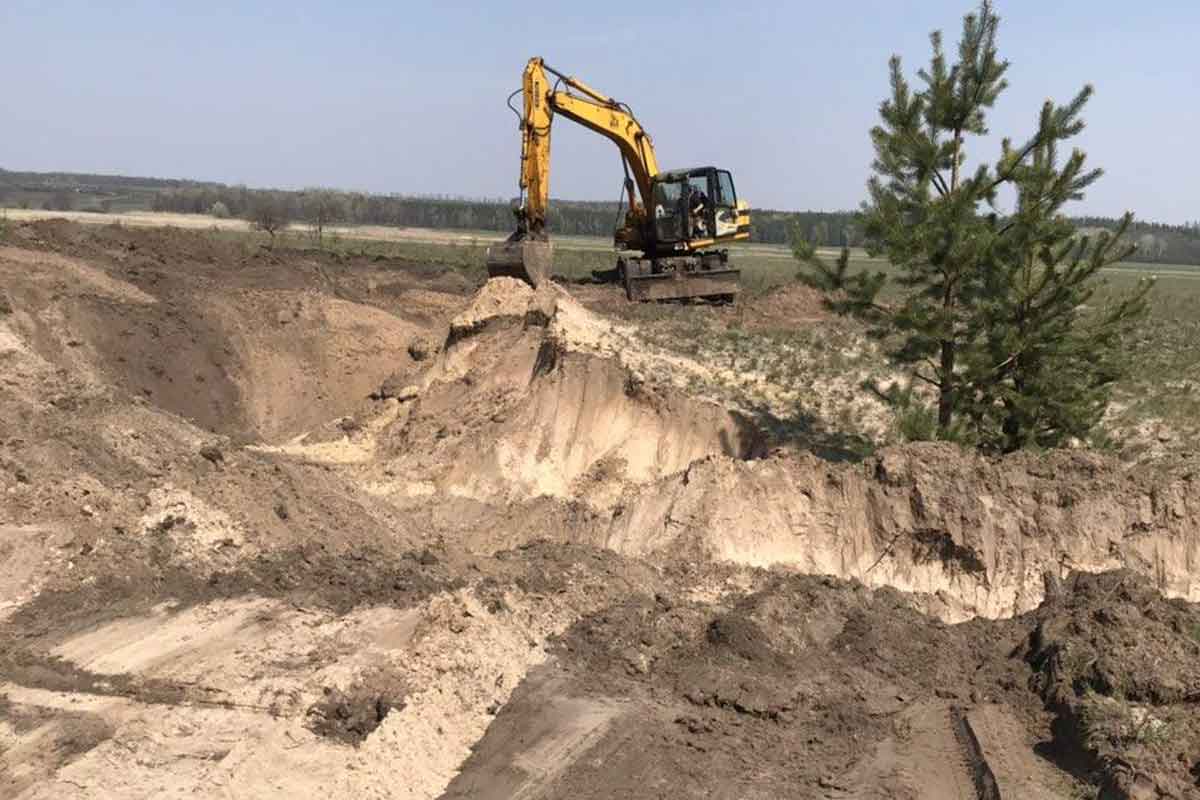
<point x="676" y="223"/>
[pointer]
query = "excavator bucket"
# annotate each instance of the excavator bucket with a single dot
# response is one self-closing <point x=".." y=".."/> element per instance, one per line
<point x="529" y="260"/>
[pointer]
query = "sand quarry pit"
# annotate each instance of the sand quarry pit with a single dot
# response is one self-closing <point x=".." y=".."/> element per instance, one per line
<point x="300" y="524"/>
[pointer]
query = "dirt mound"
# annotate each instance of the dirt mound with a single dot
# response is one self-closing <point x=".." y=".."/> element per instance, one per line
<point x="801" y="687"/>
<point x="352" y="715"/>
<point x="267" y="346"/>
<point x="784" y="307"/>
<point x="500" y="297"/>
<point x="1120" y="666"/>
<point x="529" y="398"/>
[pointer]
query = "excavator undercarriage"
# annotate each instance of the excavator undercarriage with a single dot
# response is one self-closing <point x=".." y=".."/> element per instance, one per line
<point x="704" y="276"/>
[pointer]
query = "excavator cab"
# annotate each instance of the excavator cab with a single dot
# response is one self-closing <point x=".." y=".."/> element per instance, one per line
<point x="694" y="208"/>
<point x="693" y="212"/>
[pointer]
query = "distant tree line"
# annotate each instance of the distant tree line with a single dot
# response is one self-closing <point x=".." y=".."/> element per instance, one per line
<point x="566" y="217"/>
<point x="87" y="182"/>
<point x="819" y="228"/>
<point x="74" y="191"/>
<point x="325" y="206"/>
<point x="1156" y="242"/>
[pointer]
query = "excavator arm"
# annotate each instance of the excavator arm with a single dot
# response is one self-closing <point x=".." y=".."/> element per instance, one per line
<point x="591" y="109"/>
<point x="527" y="254"/>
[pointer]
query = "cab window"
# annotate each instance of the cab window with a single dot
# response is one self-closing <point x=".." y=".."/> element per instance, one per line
<point x="668" y="199"/>
<point x="700" y="206"/>
<point x="725" y="194"/>
<point x="667" y="195"/>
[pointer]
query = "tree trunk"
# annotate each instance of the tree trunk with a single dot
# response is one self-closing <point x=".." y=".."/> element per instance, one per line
<point x="946" y="378"/>
<point x="954" y="166"/>
<point x="946" y="389"/>
<point x="1011" y="427"/>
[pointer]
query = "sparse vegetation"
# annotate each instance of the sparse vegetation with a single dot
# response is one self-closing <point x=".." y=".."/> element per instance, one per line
<point x="219" y="210"/>
<point x="60" y="200"/>
<point x="320" y="208"/>
<point x="269" y="214"/>
<point x="799" y="385"/>
<point x="1114" y="722"/>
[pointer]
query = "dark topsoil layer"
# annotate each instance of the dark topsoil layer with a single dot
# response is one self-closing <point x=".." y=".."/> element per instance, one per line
<point x="778" y="691"/>
<point x="783" y="691"/>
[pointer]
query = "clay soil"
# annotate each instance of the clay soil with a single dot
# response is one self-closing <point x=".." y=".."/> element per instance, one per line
<point x="290" y="523"/>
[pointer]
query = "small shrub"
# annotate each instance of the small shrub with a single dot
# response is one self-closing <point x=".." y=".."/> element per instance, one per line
<point x="219" y="210"/>
<point x="1115" y="722"/>
<point x="61" y="200"/>
<point x="269" y="213"/>
<point x="915" y="420"/>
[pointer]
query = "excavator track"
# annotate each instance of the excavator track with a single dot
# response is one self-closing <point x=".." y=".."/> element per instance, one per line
<point x="705" y="276"/>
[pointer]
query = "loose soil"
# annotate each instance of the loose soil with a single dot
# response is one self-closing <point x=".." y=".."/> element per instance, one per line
<point x="284" y="523"/>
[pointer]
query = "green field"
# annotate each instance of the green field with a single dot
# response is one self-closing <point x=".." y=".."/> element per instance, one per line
<point x="763" y="266"/>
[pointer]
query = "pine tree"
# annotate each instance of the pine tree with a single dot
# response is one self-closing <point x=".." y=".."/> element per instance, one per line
<point x="988" y="308"/>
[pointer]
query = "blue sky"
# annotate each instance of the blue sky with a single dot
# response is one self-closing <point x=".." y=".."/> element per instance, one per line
<point x="409" y="96"/>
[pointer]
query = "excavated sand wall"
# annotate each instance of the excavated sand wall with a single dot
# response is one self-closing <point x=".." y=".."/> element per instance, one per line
<point x="581" y="413"/>
<point x="544" y="401"/>
<point x="532" y="400"/>
<point x="972" y="536"/>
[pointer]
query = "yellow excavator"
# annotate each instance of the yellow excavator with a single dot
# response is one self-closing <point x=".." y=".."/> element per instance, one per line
<point x="676" y="222"/>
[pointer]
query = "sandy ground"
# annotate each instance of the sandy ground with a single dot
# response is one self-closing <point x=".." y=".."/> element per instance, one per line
<point x="286" y="523"/>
